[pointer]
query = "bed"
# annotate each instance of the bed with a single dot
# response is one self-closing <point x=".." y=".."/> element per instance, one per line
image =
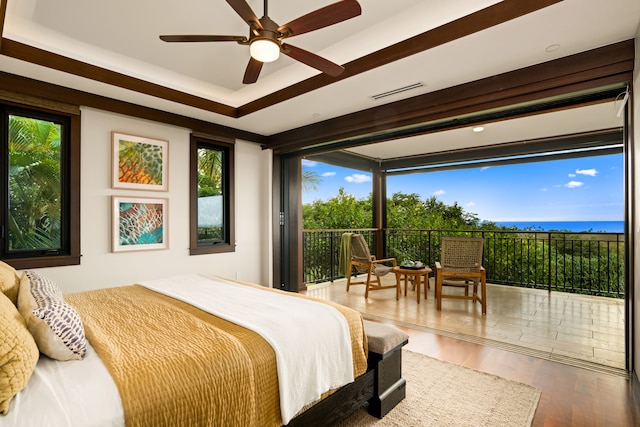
<point x="186" y="350"/>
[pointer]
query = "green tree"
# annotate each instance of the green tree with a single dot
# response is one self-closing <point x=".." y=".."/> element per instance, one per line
<point x="341" y="211"/>
<point x="403" y="211"/>
<point x="409" y="211"/>
<point x="579" y="263"/>
<point x="310" y="180"/>
<point x="34" y="183"/>
<point x="209" y="172"/>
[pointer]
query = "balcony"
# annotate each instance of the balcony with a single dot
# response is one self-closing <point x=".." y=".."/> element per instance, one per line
<point x="558" y="296"/>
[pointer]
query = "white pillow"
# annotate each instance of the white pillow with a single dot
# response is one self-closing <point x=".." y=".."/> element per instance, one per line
<point x="54" y="324"/>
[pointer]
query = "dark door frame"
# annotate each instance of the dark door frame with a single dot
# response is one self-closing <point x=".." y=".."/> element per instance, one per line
<point x="560" y="84"/>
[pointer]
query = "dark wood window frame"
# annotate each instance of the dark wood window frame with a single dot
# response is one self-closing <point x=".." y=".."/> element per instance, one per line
<point x="69" y="253"/>
<point x="228" y="191"/>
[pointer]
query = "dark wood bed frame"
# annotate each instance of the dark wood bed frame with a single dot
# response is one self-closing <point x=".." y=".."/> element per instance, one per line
<point x="379" y="389"/>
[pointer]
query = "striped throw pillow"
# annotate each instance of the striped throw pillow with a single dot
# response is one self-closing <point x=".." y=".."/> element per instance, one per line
<point x="54" y="324"/>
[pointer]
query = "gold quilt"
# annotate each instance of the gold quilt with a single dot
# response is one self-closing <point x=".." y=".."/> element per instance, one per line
<point x="175" y="364"/>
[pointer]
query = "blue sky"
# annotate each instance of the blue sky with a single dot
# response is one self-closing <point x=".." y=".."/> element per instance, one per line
<point x="584" y="189"/>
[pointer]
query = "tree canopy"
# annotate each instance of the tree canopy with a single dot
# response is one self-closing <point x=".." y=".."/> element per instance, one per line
<point x="403" y="211"/>
<point x="34" y="183"/>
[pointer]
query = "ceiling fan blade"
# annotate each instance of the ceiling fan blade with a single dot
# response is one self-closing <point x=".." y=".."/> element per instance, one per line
<point x="243" y="9"/>
<point x="312" y="60"/>
<point x="202" y="38"/>
<point x="252" y="72"/>
<point x="323" y="17"/>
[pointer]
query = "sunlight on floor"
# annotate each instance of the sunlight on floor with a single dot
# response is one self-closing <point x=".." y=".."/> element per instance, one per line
<point x="554" y="325"/>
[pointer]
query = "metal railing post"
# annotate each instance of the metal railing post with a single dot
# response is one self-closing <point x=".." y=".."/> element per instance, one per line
<point x="332" y="258"/>
<point x="549" y="262"/>
<point x="506" y="263"/>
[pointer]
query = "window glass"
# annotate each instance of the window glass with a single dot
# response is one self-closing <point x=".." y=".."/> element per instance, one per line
<point x="39" y="188"/>
<point x="212" y="197"/>
<point x="35" y="185"/>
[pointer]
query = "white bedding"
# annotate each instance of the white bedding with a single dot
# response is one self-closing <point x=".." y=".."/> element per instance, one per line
<point x="316" y="354"/>
<point x="72" y="393"/>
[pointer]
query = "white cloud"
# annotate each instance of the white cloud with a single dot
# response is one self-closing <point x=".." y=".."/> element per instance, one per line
<point x="574" y="184"/>
<point x="484" y="168"/>
<point x="438" y="193"/>
<point x="309" y="163"/>
<point x="572" y="175"/>
<point x="357" y="178"/>
<point x="543" y="189"/>
<point x="326" y="174"/>
<point x="588" y="172"/>
<point x="471" y="204"/>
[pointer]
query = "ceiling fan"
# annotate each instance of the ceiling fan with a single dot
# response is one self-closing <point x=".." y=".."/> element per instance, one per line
<point x="265" y="36"/>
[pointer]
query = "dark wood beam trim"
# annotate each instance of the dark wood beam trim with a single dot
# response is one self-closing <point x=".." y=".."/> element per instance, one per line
<point x="42" y="57"/>
<point x="3" y="14"/>
<point x="481" y="20"/>
<point x="418" y="163"/>
<point x="478" y="21"/>
<point x="480" y="116"/>
<point x="553" y="87"/>
<point x="461" y="118"/>
<point x="584" y="71"/>
<point x="474" y="156"/>
<point x="346" y="160"/>
<point x="57" y="93"/>
<point x="454" y="121"/>
<point x="37" y="101"/>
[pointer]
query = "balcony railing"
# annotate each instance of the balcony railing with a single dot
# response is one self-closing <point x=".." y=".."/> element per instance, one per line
<point x="585" y="263"/>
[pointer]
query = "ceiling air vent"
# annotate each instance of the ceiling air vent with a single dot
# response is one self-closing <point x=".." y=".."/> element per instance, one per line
<point x="397" y="91"/>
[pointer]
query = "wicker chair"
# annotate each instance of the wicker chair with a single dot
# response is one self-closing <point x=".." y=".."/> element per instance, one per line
<point x="364" y="262"/>
<point x="461" y="265"/>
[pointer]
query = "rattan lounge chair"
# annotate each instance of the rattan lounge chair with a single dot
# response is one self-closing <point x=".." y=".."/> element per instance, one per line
<point x="364" y="262"/>
<point x="461" y="265"/>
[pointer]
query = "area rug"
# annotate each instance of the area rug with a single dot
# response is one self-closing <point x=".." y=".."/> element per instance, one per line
<point x="443" y="394"/>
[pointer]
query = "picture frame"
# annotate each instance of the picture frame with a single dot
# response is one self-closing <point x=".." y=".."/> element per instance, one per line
<point x="139" y="163"/>
<point x="139" y="224"/>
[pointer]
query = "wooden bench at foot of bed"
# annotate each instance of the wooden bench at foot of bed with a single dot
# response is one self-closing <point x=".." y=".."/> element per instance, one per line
<point x="381" y="388"/>
<point x="385" y="360"/>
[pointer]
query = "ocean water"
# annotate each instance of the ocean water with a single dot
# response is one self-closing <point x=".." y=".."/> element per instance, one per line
<point x="576" y="226"/>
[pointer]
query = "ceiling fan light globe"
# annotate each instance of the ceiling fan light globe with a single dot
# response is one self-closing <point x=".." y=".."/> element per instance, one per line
<point x="264" y="50"/>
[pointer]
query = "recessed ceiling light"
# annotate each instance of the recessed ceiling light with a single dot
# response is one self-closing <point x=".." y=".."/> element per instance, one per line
<point x="552" y="48"/>
<point x="478" y="128"/>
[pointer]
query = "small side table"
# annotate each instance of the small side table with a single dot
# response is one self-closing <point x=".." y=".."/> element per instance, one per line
<point x="417" y="275"/>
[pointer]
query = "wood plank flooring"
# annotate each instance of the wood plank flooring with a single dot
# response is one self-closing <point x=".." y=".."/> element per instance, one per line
<point x="571" y="395"/>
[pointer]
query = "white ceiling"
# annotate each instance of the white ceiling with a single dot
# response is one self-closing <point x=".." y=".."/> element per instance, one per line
<point x="122" y="35"/>
<point x="565" y="122"/>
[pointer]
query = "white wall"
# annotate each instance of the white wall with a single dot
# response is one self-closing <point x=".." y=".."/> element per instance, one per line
<point x="101" y="268"/>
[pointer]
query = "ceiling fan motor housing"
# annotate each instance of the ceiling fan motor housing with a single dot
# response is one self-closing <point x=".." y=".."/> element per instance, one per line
<point x="265" y="43"/>
<point x="266" y="37"/>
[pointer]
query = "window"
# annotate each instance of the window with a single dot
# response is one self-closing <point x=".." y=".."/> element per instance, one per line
<point x="212" y="197"/>
<point x="40" y="188"/>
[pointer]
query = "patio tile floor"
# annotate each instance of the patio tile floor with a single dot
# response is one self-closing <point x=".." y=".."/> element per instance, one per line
<point x="574" y="329"/>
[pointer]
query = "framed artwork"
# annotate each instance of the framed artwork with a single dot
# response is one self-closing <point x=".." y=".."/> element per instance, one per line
<point x="139" y="224"/>
<point x="139" y="163"/>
